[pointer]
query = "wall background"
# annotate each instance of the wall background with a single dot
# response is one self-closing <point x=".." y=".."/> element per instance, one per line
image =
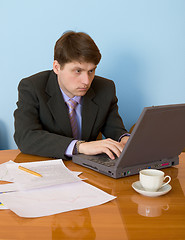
<point x="142" y="43"/>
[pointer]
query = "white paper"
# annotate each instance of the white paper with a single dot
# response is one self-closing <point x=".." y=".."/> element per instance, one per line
<point x="58" y="190"/>
<point x="8" y="187"/>
<point x="4" y="174"/>
<point x="53" y="200"/>
<point x="53" y="172"/>
<point x="2" y="206"/>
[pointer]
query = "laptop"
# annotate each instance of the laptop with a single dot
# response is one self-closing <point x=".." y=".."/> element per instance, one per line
<point x="155" y="142"/>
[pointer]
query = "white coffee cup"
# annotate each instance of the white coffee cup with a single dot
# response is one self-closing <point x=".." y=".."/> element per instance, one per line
<point x="153" y="179"/>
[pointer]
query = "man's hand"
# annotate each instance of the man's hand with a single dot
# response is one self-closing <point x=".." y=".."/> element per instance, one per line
<point x="107" y="146"/>
<point x="124" y="140"/>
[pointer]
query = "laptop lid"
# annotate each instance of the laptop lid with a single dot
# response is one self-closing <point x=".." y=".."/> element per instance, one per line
<point x="158" y="134"/>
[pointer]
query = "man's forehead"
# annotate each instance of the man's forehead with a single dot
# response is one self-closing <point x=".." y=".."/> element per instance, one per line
<point x="82" y="65"/>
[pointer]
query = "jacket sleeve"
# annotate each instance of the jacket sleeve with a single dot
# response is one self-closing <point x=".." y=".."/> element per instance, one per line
<point x="30" y="135"/>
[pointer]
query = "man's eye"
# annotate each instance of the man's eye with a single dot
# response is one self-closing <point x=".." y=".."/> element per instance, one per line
<point x="78" y="70"/>
<point x="91" y="71"/>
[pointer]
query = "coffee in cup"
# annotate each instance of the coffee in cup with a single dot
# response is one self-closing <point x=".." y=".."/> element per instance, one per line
<point x="153" y="179"/>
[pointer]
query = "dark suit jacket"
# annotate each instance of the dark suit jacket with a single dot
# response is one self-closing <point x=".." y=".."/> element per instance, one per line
<point x="42" y="125"/>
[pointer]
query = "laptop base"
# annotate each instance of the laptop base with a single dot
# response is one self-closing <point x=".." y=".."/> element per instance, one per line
<point x="125" y="172"/>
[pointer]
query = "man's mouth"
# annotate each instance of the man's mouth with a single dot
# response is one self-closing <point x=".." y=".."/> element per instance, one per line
<point x="83" y="89"/>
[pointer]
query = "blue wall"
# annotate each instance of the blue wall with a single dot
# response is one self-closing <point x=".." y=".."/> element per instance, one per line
<point x="142" y="43"/>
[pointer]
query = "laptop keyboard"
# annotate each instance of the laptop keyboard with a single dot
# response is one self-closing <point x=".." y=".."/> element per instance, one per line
<point x="102" y="159"/>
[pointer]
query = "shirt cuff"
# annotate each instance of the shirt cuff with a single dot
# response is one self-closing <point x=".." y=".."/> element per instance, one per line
<point x="69" y="150"/>
<point x="124" y="135"/>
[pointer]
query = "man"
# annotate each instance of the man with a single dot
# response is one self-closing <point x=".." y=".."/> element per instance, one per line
<point x="62" y="111"/>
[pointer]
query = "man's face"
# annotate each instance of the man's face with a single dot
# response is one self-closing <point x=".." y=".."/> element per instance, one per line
<point x="75" y="78"/>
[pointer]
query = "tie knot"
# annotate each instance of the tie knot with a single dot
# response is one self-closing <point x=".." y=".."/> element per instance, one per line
<point x="72" y="104"/>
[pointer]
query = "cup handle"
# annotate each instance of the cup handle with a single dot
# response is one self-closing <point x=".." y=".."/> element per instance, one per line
<point x="167" y="181"/>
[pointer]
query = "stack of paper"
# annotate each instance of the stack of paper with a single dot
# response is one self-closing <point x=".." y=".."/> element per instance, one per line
<point x="58" y="190"/>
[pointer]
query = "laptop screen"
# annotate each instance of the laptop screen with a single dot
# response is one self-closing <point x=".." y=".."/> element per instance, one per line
<point x="158" y="134"/>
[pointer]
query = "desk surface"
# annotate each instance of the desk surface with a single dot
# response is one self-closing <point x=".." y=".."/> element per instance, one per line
<point x="130" y="216"/>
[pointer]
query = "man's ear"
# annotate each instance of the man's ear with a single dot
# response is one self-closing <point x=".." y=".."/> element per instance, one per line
<point x="56" y="66"/>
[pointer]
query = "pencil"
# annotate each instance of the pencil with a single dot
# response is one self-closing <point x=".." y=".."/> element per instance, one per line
<point x="30" y="171"/>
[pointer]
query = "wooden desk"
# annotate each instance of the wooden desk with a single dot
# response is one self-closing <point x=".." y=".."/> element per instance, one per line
<point x="130" y="216"/>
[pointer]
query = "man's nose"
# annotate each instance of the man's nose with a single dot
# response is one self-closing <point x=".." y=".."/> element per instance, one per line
<point x="85" y="79"/>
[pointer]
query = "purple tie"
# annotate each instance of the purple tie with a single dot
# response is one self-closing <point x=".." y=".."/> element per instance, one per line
<point x="72" y="115"/>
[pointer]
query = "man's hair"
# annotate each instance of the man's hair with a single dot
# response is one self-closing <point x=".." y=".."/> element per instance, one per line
<point x="76" y="46"/>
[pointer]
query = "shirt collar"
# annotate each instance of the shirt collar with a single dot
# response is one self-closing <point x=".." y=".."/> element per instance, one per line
<point x="66" y="98"/>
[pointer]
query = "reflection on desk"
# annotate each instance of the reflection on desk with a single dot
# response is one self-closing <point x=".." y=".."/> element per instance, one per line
<point x="151" y="207"/>
<point x="130" y="216"/>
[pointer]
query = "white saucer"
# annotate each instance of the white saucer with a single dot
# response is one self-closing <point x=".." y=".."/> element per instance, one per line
<point x="138" y="188"/>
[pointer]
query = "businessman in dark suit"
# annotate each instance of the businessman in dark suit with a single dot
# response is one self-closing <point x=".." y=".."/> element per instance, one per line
<point x="43" y="124"/>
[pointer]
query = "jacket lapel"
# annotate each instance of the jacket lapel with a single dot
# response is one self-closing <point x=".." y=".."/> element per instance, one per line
<point x="89" y="114"/>
<point x="57" y="105"/>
